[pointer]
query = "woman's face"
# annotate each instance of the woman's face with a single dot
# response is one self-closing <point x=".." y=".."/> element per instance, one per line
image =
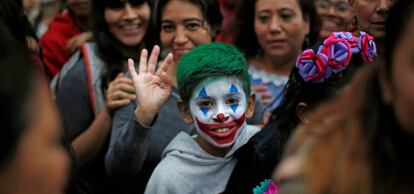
<point x="371" y="15"/>
<point x="40" y="163"/>
<point x="183" y="27"/>
<point x="402" y="79"/>
<point x="80" y="8"/>
<point x="335" y="15"/>
<point x="128" y="23"/>
<point x="280" y="28"/>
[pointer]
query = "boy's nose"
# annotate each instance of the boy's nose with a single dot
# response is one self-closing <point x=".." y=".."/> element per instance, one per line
<point x="221" y="117"/>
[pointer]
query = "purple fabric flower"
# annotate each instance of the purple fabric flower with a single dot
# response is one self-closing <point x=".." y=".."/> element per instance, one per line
<point x="352" y="40"/>
<point x="312" y="67"/>
<point x="368" y="47"/>
<point x="338" y="51"/>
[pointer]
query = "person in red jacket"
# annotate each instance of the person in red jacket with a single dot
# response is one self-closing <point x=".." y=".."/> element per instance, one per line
<point x="67" y="31"/>
<point x="228" y="9"/>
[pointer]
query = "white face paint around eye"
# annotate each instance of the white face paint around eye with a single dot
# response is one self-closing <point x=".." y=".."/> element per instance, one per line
<point x="218" y="108"/>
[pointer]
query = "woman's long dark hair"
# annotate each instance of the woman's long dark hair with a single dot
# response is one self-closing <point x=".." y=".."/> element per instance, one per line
<point x="363" y="138"/>
<point x="392" y="167"/>
<point x="109" y="48"/>
<point x="246" y="39"/>
<point x="297" y="90"/>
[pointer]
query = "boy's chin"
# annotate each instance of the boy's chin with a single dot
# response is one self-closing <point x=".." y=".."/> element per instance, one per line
<point x="217" y="145"/>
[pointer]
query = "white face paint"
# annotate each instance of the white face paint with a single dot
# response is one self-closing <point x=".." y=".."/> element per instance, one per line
<point x="218" y="108"/>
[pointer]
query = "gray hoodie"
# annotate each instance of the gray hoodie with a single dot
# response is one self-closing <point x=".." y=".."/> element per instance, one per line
<point x="187" y="168"/>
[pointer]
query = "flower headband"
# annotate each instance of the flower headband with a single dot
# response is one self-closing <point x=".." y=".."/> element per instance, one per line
<point x="266" y="187"/>
<point x="334" y="55"/>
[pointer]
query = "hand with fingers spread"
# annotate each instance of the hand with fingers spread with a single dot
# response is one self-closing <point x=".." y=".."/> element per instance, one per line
<point x="152" y="88"/>
<point x="120" y="93"/>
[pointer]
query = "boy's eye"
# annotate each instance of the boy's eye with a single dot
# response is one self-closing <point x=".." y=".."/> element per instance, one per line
<point x="232" y="101"/>
<point x="205" y="104"/>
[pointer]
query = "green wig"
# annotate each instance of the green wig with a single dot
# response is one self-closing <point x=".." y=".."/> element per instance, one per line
<point x="212" y="60"/>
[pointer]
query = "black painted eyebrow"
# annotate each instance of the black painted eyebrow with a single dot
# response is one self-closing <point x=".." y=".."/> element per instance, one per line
<point x="192" y="19"/>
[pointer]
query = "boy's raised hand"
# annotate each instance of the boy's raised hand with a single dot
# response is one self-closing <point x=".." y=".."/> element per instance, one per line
<point x="152" y="88"/>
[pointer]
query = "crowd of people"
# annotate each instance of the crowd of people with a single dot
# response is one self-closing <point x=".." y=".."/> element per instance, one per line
<point x="207" y="96"/>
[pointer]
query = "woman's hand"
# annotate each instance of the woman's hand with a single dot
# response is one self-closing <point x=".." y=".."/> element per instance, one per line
<point x="152" y="88"/>
<point x="265" y="96"/>
<point x="32" y="44"/>
<point x="120" y="93"/>
<point x="76" y="42"/>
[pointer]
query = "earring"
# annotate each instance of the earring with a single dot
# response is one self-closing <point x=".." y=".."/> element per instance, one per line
<point x="354" y="24"/>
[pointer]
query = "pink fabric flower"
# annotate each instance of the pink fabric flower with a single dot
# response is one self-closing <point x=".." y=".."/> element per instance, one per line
<point x="312" y="67"/>
<point x="352" y="40"/>
<point x="368" y="48"/>
<point x="272" y="189"/>
<point x="338" y="51"/>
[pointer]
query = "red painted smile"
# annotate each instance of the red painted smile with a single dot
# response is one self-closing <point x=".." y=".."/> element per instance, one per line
<point x="222" y="133"/>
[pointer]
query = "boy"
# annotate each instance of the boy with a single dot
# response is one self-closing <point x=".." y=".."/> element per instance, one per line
<point x="214" y="86"/>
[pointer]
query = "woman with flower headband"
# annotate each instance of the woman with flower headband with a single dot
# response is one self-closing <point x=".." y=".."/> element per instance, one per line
<point x="317" y="76"/>
<point x="357" y="143"/>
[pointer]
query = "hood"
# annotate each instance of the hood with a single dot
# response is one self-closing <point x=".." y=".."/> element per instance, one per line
<point x="184" y="147"/>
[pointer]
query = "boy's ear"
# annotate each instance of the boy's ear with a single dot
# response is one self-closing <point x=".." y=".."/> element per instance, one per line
<point x="250" y="105"/>
<point x="185" y="112"/>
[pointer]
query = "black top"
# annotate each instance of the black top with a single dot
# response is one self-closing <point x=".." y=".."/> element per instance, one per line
<point x="256" y="161"/>
<point x="72" y="99"/>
